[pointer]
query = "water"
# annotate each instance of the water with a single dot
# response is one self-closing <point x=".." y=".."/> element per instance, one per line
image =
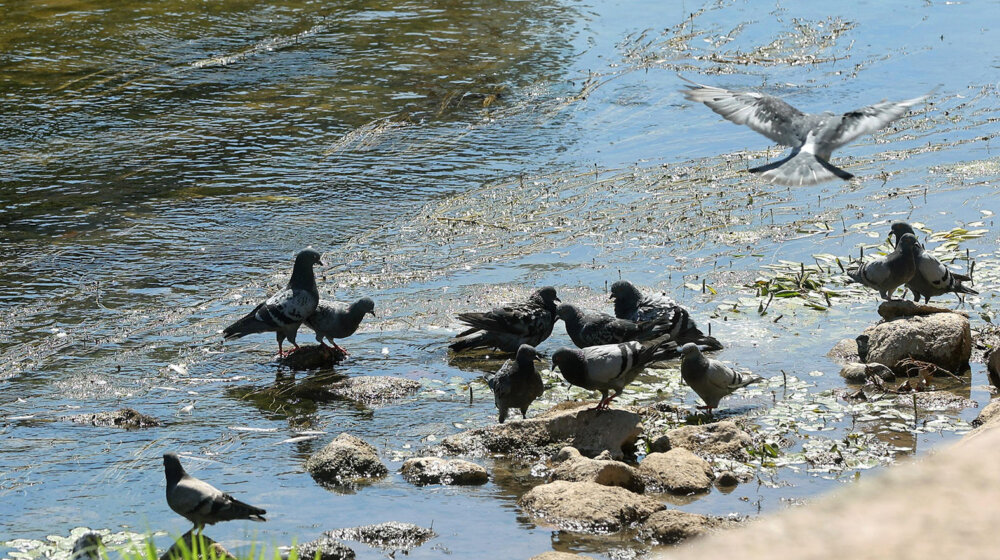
<point x="162" y="163"/>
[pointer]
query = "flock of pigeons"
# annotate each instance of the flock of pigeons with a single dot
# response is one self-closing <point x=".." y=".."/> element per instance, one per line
<point x="611" y="350"/>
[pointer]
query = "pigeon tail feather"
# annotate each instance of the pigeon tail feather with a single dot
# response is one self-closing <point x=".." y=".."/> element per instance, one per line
<point x="801" y="169"/>
<point x="468" y="342"/>
<point x="249" y="324"/>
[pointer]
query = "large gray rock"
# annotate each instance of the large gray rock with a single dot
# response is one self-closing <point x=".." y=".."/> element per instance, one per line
<point x="345" y="461"/>
<point x="574" y="467"/>
<point x="576" y="425"/>
<point x="672" y="525"/>
<point x="327" y="547"/>
<point x="588" y="507"/>
<point x="677" y="471"/>
<point x="435" y="470"/>
<point x="943" y="339"/>
<point x="718" y="439"/>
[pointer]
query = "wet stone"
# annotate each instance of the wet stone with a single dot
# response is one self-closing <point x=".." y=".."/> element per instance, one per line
<point x="327" y="548"/>
<point x="125" y="418"/>
<point x="845" y="351"/>
<point x="671" y="525"/>
<point x="897" y="308"/>
<point x="207" y="549"/>
<point x="718" y="439"/>
<point x="727" y="479"/>
<point x="392" y="535"/>
<point x="345" y="461"/>
<point x="859" y="373"/>
<point x="943" y="339"/>
<point x="435" y="470"/>
<point x="993" y="367"/>
<point x="574" y="467"/>
<point x="678" y="471"/>
<point x="988" y="415"/>
<point x="375" y="390"/>
<point x="588" y="507"/>
<point x="311" y="356"/>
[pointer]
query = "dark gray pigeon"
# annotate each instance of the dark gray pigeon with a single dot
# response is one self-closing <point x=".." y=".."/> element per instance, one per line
<point x="516" y="384"/>
<point x="812" y="137"/>
<point x="335" y="319"/>
<point x="283" y="312"/>
<point x="610" y="366"/>
<point x="932" y="278"/>
<point x="199" y="502"/>
<point x="593" y="328"/>
<point x="710" y="379"/>
<point x="891" y="271"/>
<point x="633" y="305"/>
<point x="508" y="327"/>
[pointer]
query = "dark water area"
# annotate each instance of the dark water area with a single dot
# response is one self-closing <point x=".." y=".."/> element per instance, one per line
<point x="161" y="163"/>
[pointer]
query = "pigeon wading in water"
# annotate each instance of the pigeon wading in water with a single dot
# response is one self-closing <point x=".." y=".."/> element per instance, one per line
<point x="507" y="328"/>
<point x="812" y="137"/>
<point x="891" y="271"/>
<point x="932" y="278"/>
<point x="633" y="305"/>
<point x="334" y="319"/>
<point x="593" y="328"/>
<point x="610" y="366"/>
<point x="199" y="502"/>
<point x="517" y="384"/>
<point x="710" y="379"/>
<point x="283" y="312"/>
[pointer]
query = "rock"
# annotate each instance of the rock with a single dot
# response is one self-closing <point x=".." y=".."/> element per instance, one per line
<point x="435" y="470"/>
<point x="392" y="535"/>
<point x="858" y="373"/>
<point x="311" y="356"/>
<point x="87" y="547"/>
<point x="374" y="390"/>
<point x="993" y="367"/>
<point x="587" y="506"/>
<point x="345" y="461"/>
<point x="844" y="351"/>
<point x="718" y="439"/>
<point x="943" y="339"/>
<point x="556" y="555"/>
<point x="727" y="479"/>
<point x="189" y="547"/>
<point x="677" y="471"/>
<point x="672" y="525"/>
<point x="125" y="418"/>
<point x="574" y="467"/>
<point x="328" y="548"/>
<point x="988" y="415"/>
<point x="573" y="424"/>
<point x="897" y="308"/>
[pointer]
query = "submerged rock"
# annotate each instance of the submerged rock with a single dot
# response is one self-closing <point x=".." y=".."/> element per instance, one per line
<point x="346" y="461"/>
<point x="859" y="373"/>
<point x="435" y="470"/>
<point x="574" y="467"/>
<point x="844" y="351"/>
<point x="327" y="548"/>
<point x="588" y="507"/>
<point x="727" y="480"/>
<point x="312" y="356"/>
<point x="718" y="439"/>
<point x="577" y="425"/>
<point x="391" y="535"/>
<point x="672" y="525"/>
<point x="678" y="471"/>
<point x="943" y="339"/>
<point x="125" y="418"/>
<point x="192" y="547"/>
<point x="374" y="390"/>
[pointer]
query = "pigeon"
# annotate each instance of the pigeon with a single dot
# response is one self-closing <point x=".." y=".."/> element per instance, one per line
<point x="516" y="384"/>
<point x="593" y="328"/>
<point x="891" y="271"/>
<point x="610" y="366"/>
<point x="507" y="328"/>
<point x="711" y="379"/>
<point x="286" y="310"/>
<point x="633" y="305"/>
<point x="199" y="502"/>
<point x="334" y="319"/>
<point x="813" y="138"/>
<point x="931" y="278"/>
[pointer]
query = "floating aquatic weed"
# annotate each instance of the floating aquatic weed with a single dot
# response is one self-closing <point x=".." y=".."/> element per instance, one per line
<point x="57" y="547"/>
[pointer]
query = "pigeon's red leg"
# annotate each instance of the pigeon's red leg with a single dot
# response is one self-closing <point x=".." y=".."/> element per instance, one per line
<point x="340" y="349"/>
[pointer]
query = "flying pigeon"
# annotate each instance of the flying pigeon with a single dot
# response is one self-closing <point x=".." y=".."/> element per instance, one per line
<point x="593" y="328"/>
<point x="283" y="312"/>
<point x="710" y="379"/>
<point x="507" y="328"/>
<point x="334" y="319"/>
<point x="633" y="305"/>
<point x="891" y="271"/>
<point x="931" y="278"/>
<point x="199" y="502"/>
<point x="813" y="138"/>
<point x="516" y="384"/>
<point x="610" y="366"/>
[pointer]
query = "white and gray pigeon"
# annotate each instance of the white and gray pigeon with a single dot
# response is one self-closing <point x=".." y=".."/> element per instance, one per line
<point x="632" y="304"/>
<point x="891" y="271"/>
<point x="199" y="502"/>
<point x="812" y="137"/>
<point x="594" y="328"/>
<point x="507" y="328"/>
<point x="516" y="384"/>
<point x="336" y="319"/>
<point x="610" y="366"/>
<point x="711" y="379"/>
<point x="285" y="311"/>
<point x="932" y="278"/>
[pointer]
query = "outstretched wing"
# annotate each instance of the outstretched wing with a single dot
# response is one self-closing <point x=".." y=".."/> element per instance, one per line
<point x="763" y="113"/>
<point x="867" y="120"/>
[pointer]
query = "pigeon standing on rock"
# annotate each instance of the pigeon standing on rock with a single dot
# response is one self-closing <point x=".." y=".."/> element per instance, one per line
<point x="710" y="379"/>
<point x="633" y="305"/>
<point x="932" y="278"/>
<point x="891" y="271"/>
<point x="507" y="328"/>
<point x="335" y="319"/>
<point x="283" y="312"/>
<point x="593" y="328"/>
<point x="812" y="137"/>
<point x="517" y="384"/>
<point x="200" y="502"/>
<point x="610" y="366"/>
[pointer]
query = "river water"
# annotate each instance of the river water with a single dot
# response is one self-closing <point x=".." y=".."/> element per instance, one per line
<point x="161" y="163"/>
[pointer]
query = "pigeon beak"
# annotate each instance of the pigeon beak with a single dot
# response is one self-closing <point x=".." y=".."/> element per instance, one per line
<point x="372" y="313"/>
<point x="557" y="299"/>
<point x="611" y="297"/>
<point x="319" y="262"/>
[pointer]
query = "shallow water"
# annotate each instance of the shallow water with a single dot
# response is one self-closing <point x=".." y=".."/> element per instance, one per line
<point x="162" y="163"/>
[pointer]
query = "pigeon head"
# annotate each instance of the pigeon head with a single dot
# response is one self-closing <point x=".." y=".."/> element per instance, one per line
<point x="572" y="365"/>
<point x="690" y="349"/>
<point x="526" y="353"/>
<point x="908" y="242"/>
<point x="307" y="257"/>
<point x="172" y="467"/>
<point x="626" y="297"/>
<point x="363" y="306"/>
<point x="899" y="229"/>
<point x="302" y="273"/>
<point x="546" y="296"/>
<point x="568" y="312"/>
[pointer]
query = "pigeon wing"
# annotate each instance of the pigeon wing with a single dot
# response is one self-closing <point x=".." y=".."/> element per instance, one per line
<point x="287" y="307"/>
<point x="934" y="273"/>
<point x="192" y="497"/>
<point x="763" y="113"/>
<point x="512" y="319"/>
<point x="866" y="120"/>
<point x="607" y="362"/>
